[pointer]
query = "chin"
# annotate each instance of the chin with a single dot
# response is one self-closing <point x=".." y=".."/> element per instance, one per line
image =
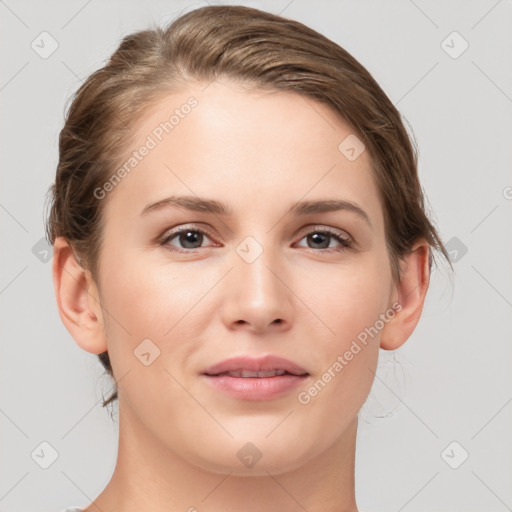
<point x="252" y="456"/>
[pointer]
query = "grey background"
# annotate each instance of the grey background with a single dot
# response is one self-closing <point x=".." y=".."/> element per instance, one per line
<point x="450" y="382"/>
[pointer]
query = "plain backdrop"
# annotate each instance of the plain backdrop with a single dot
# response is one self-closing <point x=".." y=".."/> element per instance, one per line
<point x="434" y="434"/>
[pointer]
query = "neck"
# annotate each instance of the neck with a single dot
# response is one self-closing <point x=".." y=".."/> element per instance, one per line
<point x="148" y="476"/>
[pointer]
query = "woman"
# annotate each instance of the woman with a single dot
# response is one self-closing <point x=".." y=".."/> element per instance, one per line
<point x="238" y="227"/>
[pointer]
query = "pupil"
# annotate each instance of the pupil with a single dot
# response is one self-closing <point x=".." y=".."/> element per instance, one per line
<point x="315" y="236"/>
<point x="190" y="237"/>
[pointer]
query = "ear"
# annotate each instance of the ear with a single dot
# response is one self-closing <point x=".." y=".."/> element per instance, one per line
<point x="410" y="294"/>
<point x="77" y="299"/>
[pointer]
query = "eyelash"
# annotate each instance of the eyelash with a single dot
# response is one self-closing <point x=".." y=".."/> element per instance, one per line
<point x="345" y="242"/>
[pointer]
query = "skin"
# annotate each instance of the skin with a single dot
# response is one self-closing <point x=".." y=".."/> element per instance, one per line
<point x="179" y="437"/>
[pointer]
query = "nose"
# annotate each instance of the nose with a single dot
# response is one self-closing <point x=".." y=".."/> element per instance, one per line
<point x="257" y="295"/>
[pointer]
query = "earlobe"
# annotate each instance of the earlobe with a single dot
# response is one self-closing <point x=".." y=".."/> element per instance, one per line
<point x="410" y="293"/>
<point x="77" y="299"/>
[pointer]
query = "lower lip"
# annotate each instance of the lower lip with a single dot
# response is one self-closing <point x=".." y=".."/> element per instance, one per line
<point x="256" y="388"/>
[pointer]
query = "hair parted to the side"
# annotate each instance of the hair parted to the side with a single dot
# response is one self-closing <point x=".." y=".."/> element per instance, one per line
<point x="260" y="50"/>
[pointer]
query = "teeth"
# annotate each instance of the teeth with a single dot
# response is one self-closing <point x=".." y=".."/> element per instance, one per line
<point x="249" y="373"/>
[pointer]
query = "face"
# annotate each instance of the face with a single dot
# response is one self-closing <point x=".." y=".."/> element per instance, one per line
<point x="187" y="286"/>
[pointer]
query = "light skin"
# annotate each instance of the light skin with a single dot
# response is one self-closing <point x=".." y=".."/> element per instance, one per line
<point x="259" y="153"/>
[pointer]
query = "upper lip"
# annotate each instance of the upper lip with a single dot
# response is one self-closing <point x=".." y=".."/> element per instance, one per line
<point x="261" y="364"/>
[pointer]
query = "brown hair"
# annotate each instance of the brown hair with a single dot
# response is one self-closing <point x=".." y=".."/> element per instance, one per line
<point x="257" y="49"/>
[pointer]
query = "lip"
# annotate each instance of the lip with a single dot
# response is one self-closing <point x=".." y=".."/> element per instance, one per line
<point x="260" y="364"/>
<point x="256" y="388"/>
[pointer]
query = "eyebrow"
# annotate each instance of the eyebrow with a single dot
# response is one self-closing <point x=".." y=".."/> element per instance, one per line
<point x="198" y="204"/>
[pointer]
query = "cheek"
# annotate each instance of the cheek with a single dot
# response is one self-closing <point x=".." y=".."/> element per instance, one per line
<point x="352" y="297"/>
<point x="166" y="301"/>
<point x="347" y="355"/>
<point x="152" y="327"/>
<point x="152" y="301"/>
<point x="150" y="298"/>
<point x="350" y="307"/>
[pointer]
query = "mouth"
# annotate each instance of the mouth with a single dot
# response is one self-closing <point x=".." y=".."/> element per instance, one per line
<point x="260" y="387"/>
<point x="244" y="378"/>
<point x="254" y="374"/>
<point x="249" y="367"/>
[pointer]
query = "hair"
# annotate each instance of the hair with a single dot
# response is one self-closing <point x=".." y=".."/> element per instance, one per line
<point x="257" y="49"/>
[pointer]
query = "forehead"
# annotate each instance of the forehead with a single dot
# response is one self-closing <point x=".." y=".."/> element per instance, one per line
<point x="224" y="141"/>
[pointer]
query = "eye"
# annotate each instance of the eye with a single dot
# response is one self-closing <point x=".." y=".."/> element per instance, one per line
<point x="322" y="236"/>
<point x="190" y="238"/>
